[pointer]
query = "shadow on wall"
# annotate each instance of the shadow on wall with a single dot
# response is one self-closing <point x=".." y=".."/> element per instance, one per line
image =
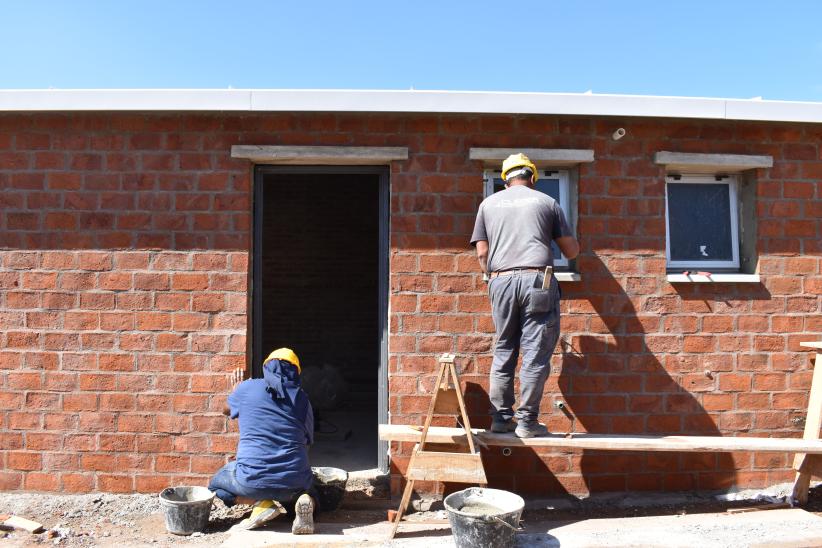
<point x="614" y="383"/>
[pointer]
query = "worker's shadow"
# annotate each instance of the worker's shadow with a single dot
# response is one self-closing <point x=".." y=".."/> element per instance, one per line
<point x="613" y="382"/>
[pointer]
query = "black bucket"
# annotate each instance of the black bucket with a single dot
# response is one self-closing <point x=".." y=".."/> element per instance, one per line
<point x="186" y="509"/>
<point x="483" y="517"/>
<point x="329" y="484"/>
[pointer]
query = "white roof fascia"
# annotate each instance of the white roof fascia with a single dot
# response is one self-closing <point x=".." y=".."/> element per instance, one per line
<point x="475" y="102"/>
<point x="784" y="111"/>
<point x="124" y="100"/>
<point x="465" y="102"/>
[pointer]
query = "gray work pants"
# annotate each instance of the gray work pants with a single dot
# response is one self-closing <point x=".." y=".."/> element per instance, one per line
<point x="526" y="318"/>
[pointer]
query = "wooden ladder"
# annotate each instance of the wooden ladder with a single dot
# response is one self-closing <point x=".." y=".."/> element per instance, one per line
<point x="441" y="465"/>
<point x="807" y="466"/>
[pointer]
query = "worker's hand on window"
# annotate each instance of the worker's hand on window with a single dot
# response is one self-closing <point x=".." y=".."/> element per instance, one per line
<point x="237" y="376"/>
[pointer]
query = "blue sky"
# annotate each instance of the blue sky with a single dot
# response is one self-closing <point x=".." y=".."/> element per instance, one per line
<point x="689" y="47"/>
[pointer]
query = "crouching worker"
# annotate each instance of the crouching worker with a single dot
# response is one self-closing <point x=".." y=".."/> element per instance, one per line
<point x="276" y="428"/>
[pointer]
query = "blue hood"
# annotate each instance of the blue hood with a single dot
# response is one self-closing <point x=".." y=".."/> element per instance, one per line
<point x="283" y="380"/>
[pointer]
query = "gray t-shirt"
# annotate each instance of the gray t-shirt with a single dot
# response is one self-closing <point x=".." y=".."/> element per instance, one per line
<point x="519" y="224"/>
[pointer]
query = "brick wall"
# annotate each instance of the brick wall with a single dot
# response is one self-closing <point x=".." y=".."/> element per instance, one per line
<point x="123" y="296"/>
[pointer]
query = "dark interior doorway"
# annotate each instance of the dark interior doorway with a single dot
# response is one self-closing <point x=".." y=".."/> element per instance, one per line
<point x="320" y="284"/>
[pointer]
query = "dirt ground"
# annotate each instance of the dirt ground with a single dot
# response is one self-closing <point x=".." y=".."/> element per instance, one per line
<point x="137" y="520"/>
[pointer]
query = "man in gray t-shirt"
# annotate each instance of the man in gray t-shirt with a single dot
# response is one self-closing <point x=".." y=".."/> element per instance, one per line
<point x="513" y="234"/>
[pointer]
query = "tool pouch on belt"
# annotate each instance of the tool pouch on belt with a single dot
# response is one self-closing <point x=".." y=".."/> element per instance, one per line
<point x="544" y="295"/>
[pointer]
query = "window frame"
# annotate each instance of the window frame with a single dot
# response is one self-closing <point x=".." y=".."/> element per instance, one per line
<point x="733" y="190"/>
<point x="564" y="199"/>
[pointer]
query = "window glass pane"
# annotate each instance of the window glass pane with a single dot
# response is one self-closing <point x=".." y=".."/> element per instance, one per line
<point x="547" y="186"/>
<point x="699" y="221"/>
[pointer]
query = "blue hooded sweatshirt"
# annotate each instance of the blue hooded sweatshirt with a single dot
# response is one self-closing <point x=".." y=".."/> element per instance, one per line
<point x="276" y="428"/>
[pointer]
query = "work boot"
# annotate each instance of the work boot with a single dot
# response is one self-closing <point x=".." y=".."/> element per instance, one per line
<point x="303" y="516"/>
<point x="263" y="512"/>
<point x="499" y="426"/>
<point x="530" y="429"/>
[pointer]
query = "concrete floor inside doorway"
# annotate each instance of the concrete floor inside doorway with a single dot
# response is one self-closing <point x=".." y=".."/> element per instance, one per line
<point x="344" y="443"/>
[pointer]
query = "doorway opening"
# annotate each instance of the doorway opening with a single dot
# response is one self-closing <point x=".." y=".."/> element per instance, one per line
<point x="320" y="288"/>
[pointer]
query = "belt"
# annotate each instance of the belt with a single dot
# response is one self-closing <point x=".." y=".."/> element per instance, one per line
<point x="516" y="270"/>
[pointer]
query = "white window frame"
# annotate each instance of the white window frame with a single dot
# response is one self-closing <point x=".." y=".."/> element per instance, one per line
<point x="564" y="198"/>
<point x="733" y="186"/>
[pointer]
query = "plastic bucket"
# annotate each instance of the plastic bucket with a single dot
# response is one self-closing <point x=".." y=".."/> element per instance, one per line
<point x="483" y="517"/>
<point x="186" y="509"/>
<point x="329" y="484"/>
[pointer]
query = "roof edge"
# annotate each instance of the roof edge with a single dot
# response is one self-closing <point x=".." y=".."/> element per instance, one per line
<point x="384" y="101"/>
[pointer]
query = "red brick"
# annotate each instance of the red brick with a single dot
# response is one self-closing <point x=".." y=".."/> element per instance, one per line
<point x="790" y="400"/>
<point x="209" y="261"/>
<point x="153" y="362"/>
<point x="98" y="462"/>
<point x="115" y="281"/>
<point x="97" y="301"/>
<point x="97" y="422"/>
<point x="93" y="381"/>
<point x="41" y="481"/>
<point x="171" y="342"/>
<point x="174" y="424"/>
<point x="94" y="261"/>
<point x="473" y="303"/>
<point x="210" y="423"/>
<point x="208" y="302"/>
<point x="112" y="483"/>
<point x="78" y="362"/>
<point x="731" y="382"/>
<point x="403" y="303"/>
<point x="117" y="402"/>
<point x="153" y="321"/>
<point x="190" y="403"/>
<point x="19" y="460"/>
<point x="172" y="463"/>
<point x="80" y="442"/>
<point x="77" y="483"/>
<point x="116" y="362"/>
<point x="80" y="320"/>
<point x="77" y="280"/>
<point x="60" y="382"/>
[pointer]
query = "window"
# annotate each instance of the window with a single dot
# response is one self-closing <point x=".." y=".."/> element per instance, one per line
<point x="554" y="184"/>
<point x="702" y="222"/>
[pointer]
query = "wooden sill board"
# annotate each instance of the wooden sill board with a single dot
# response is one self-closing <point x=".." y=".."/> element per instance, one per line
<point x="438" y="434"/>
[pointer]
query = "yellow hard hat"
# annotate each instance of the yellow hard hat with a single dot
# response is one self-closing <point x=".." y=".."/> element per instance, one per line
<point x="518" y="160"/>
<point x="286" y="354"/>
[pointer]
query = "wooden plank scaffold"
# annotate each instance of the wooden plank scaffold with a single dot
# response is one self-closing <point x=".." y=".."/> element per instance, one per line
<point x="808" y="449"/>
<point x="440" y="465"/>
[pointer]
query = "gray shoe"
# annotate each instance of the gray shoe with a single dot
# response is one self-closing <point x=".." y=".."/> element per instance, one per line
<point x="503" y="427"/>
<point x="303" y="516"/>
<point x="530" y="430"/>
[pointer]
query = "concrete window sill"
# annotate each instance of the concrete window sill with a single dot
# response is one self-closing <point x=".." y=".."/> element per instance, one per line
<point x="714" y="278"/>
